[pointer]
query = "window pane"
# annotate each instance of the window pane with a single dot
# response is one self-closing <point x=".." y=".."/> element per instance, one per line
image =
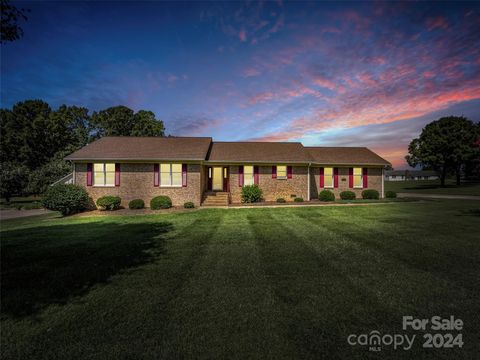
<point x="110" y="167"/>
<point x="328" y="177"/>
<point x="165" y="179"/>
<point x="281" y="171"/>
<point x="165" y="168"/>
<point x="97" y="167"/>
<point x="99" y="178"/>
<point x="177" y="168"/>
<point x="110" y="178"/>
<point x="248" y="169"/>
<point x="248" y="179"/>
<point x="357" y="171"/>
<point x="177" y="179"/>
<point x="357" y="180"/>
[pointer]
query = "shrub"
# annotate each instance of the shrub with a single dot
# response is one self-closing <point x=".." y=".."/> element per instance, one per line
<point x="66" y="198"/>
<point x="391" y="194"/>
<point x="136" y="204"/>
<point x="298" y="199"/>
<point x="326" y="195"/>
<point x="160" y="202"/>
<point x="189" y="205"/>
<point x="109" y="202"/>
<point x="281" y="200"/>
<point x="370" y="194"/>
<point x="251" y="194"/>
<point x="32" y="205"/>
<point x="347" y="195"/>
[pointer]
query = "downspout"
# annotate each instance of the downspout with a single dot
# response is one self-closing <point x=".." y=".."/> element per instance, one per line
<point x="308" y="182"/>
<point x="74" y="172"/>
<point x="383" y="179"/>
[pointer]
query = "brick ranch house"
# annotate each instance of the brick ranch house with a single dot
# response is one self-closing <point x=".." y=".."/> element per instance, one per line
<point x="198" y="169"/>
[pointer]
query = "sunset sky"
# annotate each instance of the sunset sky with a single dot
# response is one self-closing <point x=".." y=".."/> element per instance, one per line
<point x="348" y="74"/>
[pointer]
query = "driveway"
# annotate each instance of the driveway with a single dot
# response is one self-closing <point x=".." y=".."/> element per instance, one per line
<point x="14" y="213"/>
<point x="438" y="196"/>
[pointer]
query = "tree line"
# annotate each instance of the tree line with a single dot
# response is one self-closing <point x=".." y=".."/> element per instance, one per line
<point x="34" y="139"/>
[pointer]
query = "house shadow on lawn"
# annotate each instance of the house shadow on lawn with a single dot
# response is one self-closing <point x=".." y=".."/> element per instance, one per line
<point x="48" y="265"/>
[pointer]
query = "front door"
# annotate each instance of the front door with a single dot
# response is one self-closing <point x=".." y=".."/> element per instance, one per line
<point x="217" y="183"/>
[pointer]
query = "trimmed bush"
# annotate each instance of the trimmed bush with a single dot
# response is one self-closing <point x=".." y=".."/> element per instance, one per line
<point x="281" y="200"/>
<point x="347" y="195"/>
<point x="391" y="194"/>
<point x="189" y="205"/>
<point x="370" y="194"/>
<point x="298" y="199"/>
<point x="66" y="198"/>
<point x="136" y="204"/>
<point x="326" y="195"/>
<point x="251" y="194"/>
<point x="109" y="203"/>
<point x="160" y="202"/>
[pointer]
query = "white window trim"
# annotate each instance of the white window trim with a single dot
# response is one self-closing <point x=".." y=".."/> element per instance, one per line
<point x="104" y="176"/>
<point x="170" y="172"/>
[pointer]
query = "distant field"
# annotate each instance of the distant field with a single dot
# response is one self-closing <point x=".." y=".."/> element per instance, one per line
<point x="433" y="187"/>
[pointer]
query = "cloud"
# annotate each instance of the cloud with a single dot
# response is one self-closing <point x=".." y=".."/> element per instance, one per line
<point x="438" y="22"/>
<point x="251" y="71"/>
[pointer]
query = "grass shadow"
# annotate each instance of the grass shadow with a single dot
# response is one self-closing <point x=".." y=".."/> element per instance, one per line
<point x="47" y="265"/>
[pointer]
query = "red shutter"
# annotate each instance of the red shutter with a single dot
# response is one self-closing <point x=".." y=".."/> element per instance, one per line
<point x="365" y="177"/>
<point x="274" y="172"/>
<point x="350" y="177"/>
<point x="335" y="178"/>
<point x="89" y="174"/>
<point x="240" y="175"/>
<point x="255" y="175"/>
<point x="117" y="174"/>
<point x="322" y="177"/>
<point x="289" y="172"/>
<point x="156" y="175"/>
<point x="184" y="175"/>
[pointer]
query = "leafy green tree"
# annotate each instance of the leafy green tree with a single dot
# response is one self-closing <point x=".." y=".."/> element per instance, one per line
<point x="122" y="121"/>
<point x="9" y="28"/>
<point x="42" y="177"/>
<point x="13" y="178"/>
<point x="444" y="145"/>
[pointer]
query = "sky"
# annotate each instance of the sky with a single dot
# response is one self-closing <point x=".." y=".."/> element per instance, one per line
<point x="326" y="74"/>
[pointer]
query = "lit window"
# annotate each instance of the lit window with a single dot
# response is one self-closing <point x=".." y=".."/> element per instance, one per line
<point x="357" y="177"/>
<point x="328" y="177"/>
<point x="103" y="174"/>
<point x="248" y="175"/>
<point x="170" y="174"/>
<point x="281" y="172"/>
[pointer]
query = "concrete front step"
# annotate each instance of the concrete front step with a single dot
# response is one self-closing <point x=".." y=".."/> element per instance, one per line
<point x="216" y="199"/>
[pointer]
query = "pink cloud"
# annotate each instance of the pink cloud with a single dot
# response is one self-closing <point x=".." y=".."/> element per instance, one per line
<point x="325" y="83"/>
<point x="242" y="35"/>
<point x="437" y="22"/>
<point x="251" y="71"/>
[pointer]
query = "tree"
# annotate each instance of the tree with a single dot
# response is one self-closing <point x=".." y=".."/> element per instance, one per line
<point x="13" y="178"/>
<point x="9" y="28"/>
<point x="444" y="145"/>
<point x="122" y="121"/>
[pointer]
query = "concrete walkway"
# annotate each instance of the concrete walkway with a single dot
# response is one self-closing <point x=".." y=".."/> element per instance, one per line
<point x="14" y="213"/>
<point x="438" y="196"/>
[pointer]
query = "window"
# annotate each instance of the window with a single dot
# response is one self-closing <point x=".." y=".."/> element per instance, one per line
<point x="281" y="171"/>
<point x="170" y="174"/>
<point x="103" y="174"/>
<point x="328" y="177"/>
<point x="248" y="175"/>
<point x="357" y="177"/>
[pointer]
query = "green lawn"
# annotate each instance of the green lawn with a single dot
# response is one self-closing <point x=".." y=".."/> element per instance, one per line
<point x="261" y="283"/>
<point x="433" y="187"/>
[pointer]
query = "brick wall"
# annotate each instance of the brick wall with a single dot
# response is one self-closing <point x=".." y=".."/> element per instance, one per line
<point x="136" y="182"/>
<point x="273" y="188"/>
<point x="374" y="182"/>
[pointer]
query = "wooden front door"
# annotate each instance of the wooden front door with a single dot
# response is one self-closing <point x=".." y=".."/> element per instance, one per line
<point x="218" y="178"/>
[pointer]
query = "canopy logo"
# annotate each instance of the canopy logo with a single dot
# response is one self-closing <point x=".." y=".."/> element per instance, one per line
<point x="375" y="340"/>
